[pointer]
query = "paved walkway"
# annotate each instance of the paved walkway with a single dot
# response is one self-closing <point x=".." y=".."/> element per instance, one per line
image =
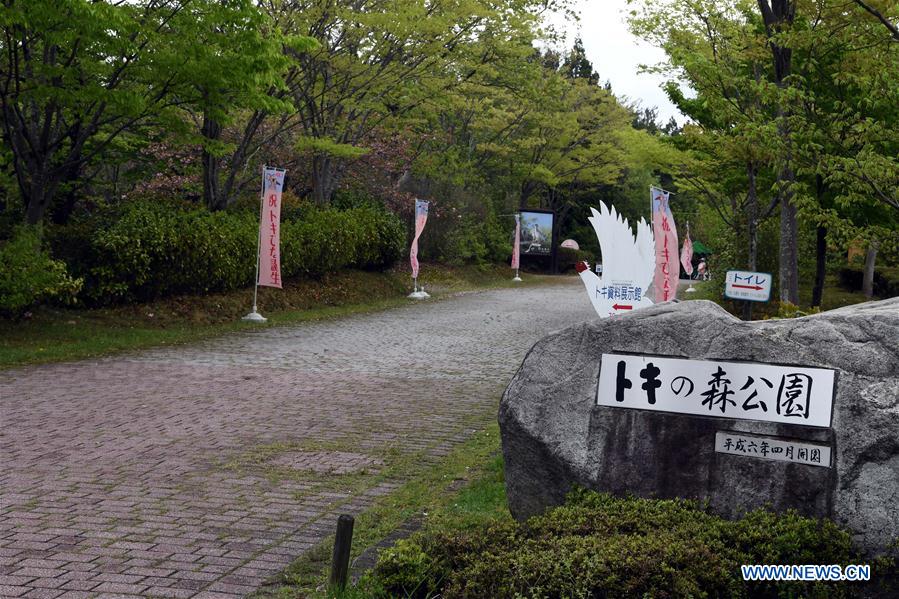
<point x="201" y="471"/>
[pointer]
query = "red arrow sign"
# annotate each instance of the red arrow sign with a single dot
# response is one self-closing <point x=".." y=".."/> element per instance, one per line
<point x="622" y="307"/>
<point x="756" y="287"/>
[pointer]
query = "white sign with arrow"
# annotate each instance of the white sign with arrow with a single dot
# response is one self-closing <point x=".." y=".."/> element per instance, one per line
<point x="748" y="285"/>
<point x="628" y="264"/>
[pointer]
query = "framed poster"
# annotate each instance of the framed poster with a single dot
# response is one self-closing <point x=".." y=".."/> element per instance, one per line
<point x="536" y="233"/>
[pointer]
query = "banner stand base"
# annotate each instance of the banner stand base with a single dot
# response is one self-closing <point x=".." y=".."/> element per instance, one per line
<point x="690" y="289"/>
<point x="517" y="279"/>
<point x="420" y="294"/>
<point x="254" y="316"/>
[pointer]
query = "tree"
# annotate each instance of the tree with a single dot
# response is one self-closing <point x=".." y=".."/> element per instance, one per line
<point x="883" y="19"/>
<point x="778" y="16"/>
<point x="235" y="73"/>
<point x="379" y="61"/>
<point x="75" y="76"/>
<point x="718" y="50"/>
<point x="578" y="66"/>
<point x="816" y="118"/>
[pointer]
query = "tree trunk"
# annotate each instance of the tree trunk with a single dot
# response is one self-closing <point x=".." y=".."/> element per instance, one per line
<point x="37" y="203"/>
<point x="778" y="16"/>
<point x="525" y="193"/>
<point x="789" y="252"/>
<point x="820" y="248"/>
<point x="752" y="213"/>
<point x="212" y="196"/>
<point x="38" y="194"/>
<point x="239" y="158"/>
<point x="752" y="210"/>
<point x="63" y="209"/>
<point x="868" y="279"/>
<point x="323" y="179"/>
<point x="820" y="266"/>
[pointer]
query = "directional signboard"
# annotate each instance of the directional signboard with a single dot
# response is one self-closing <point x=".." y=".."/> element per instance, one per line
<point x="620" y="286"/>
<point x="612" y="297"/>
<point x="747" y="285"/>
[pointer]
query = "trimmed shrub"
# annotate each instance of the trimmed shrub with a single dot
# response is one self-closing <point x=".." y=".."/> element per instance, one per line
<point x="476" y="240"/>
<point x="141" y="250"/>
<point x="601" y="546"/>
<point x="568" y="257"/>
<point x="28" y="275"/>
<point x="886" y="280"/>
<point x="382" y="239"/>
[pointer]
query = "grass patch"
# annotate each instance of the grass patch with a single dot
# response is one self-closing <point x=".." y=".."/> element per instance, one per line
<point x="430" y="492"/>
<point x="55" y="335"/>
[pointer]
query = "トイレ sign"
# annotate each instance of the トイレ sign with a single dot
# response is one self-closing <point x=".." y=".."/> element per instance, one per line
<point x="742" y="390"/>
<point x="748" y="285"/>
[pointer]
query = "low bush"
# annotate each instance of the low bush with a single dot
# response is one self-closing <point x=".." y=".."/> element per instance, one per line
<point x="141" y="250"/>
<point x="28" y="275"/>
<point x="886" y="280"/>
<point x="475" y="240"/>
<point x="567" y="258"/>
<point x="601" y="546"/>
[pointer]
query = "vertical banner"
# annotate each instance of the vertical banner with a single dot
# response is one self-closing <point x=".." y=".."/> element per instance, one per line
<point x="516" y="247"/>
<point x="686" y="254"/>
<point x="665" y="233"/>
<point x="270" y="227"/>
<point x="421" y="217"/>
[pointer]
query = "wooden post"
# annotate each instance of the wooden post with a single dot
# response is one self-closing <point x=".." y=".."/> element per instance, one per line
<point x="747" y="310"/>
<point x="340" y="560"/>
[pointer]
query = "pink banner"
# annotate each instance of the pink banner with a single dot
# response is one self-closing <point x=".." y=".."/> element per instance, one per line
<point x="665" y="233"/>
<point x="421" y="217"/>
<point x="270" y="228"/>
<point x="686" y="254"/>
<point x="516" y="247"/>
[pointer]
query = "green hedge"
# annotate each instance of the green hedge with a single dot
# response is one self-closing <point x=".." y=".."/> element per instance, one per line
<point x="142" y="250"/>
<point x="568" y="258"/>
<point x="886" y="280"/>
<point x="601" y="546"/>
<point x="28" y="275"/>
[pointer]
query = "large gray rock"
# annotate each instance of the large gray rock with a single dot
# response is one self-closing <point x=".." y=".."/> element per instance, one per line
<point x="554" y="435"/>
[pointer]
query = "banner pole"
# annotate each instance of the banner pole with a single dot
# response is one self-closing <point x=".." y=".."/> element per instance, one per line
<point x="255" y="316"/>
<point x="259" y="237"/>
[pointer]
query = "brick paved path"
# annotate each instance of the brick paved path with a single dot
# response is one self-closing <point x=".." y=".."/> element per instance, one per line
<point x="201" y="471"/>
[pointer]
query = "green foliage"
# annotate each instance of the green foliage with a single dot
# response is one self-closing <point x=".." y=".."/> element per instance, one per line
<point x="145" y="250"/>
<point x="473" y="240"/>
<point x="819" y="132"/>
<point x="601" y="546"/>
<point x="28" y="275"/>
<point x="567" y="258"/>
<point x="328" y="147"/>
<point x="788" y="310"/>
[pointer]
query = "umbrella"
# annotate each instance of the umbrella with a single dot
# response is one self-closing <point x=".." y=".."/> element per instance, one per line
<point x="701" y="248"/>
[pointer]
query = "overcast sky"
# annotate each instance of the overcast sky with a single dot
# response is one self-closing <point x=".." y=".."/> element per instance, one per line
<point x="617" y="55"/>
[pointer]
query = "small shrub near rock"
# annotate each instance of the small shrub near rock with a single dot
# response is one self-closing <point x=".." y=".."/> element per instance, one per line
<point x="601" y="546"/>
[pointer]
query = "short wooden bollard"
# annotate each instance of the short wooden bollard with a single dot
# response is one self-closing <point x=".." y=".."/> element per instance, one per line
<point x="340" y="560"/>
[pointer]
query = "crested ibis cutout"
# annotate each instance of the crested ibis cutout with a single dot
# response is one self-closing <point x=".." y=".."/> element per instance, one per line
<point x="628" y="264"/>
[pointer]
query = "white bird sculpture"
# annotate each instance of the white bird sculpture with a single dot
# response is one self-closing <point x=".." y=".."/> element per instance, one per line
<point x="628" y="264"/>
